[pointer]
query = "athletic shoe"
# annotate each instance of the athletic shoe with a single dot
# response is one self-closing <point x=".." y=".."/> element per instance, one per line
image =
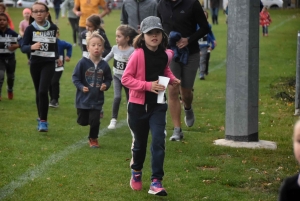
<point x="74" y="44"/>
<point x="136" y="180"/>
<point x="112" y="124"/>
<point x="93" y="142"/>
<point x="43" y="126"/>
<point x="53" y="103"/>
<point x="156" y="188"/>
<point x="10" y="95"/>
<point x="177" y="135"/>
<point x="189" y="118"/>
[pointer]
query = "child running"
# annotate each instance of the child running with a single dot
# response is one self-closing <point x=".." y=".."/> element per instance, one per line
<point x="93" y="23"/>
<point x="54" y="87"/>
<point x="206" y="44"/>
<point x="147" y="62"/>
<point x="24" y="24"/>
<point x="91" y="76"/>
<point x="8" y="45"/>
<point x="120" y="52"/>
<point x="290" y="188"/>
<point x="40" y="40"/>
<point x="10" y="22"/>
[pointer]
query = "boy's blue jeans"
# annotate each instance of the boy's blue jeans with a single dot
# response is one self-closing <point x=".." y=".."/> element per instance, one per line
<point x="141" y="119"/>
<point x="265" y="29"/>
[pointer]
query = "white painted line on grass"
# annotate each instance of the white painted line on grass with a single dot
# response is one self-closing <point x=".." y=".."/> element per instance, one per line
<point x="281" y="23"/>
<point x="39" y="170"/>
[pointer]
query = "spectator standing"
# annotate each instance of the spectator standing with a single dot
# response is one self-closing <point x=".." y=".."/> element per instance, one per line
<point x="183" y="16"/>
<point x="56" y="4"/>
<point x="68" y="6"/>
<point x="135" y="11"/>
<point x="85" y="8"/>
<point x="265" y="20"/>
<point x="214" y="7"/>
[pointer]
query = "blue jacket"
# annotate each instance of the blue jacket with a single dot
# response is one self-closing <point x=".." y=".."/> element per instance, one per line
<point x="91" y="76"/>
<point x="62" y="46"/>
<point x="8" y="37"/>
<point x="209" y="40"/>
<point x="180" y="55"/>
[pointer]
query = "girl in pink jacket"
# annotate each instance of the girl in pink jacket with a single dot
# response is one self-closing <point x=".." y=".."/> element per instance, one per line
<point x="265" y="20"/>
<point x="146" y="63"/>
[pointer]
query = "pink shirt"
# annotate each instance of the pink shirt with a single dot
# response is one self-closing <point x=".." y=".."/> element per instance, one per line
<point x="23" y="25"/>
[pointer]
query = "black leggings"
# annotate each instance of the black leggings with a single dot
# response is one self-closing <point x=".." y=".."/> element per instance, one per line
<point x="54" y="87"/>
<point x="74" y="24"/>
<point x="41" y="74"/>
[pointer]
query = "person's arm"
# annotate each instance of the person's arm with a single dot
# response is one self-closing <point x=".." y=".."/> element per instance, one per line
<point x="76" y="8"/>
<point x="124" y="15"/>
<point x="109" y="56"/>
<point x="21" y="31"/>
<point x="201" y="21"/>
<point x="76" y="76"/>
<point x="26" y="43"/>
<point x="106" y="10"/>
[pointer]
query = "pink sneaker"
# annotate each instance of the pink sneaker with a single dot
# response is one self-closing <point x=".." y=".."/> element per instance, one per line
<point x="156" y="188"/>
<point x="136" y="180"/>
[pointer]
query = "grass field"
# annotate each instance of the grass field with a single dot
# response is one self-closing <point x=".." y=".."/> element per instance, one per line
<point x="59" y="165"/>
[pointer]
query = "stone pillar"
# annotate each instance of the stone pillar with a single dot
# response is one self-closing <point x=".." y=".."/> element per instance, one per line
<point x="242" y="71"/>
<point x="297" y="95"/>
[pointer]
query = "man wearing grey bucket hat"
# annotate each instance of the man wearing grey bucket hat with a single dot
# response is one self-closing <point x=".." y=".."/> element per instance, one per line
<point x="182" y="17"/>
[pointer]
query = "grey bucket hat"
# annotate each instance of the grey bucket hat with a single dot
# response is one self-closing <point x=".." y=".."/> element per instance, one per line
<point x="150" y="23"/>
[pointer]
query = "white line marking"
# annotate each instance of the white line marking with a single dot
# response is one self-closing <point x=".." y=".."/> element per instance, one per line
<point x="53" y="159"/>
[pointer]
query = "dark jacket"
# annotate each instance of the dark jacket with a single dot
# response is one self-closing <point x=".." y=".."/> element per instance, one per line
<point x="85" y="74"/>
<point x="290" y="189"/>
<point x="46" y="47"/>
<point x="7" y="37"/>
<point x="184" y="18"/>
<point x="180" y="55"/>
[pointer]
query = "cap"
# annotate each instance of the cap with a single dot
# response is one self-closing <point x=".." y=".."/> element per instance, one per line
<point x="26" y="10"/>
<point x="150" y="23"/>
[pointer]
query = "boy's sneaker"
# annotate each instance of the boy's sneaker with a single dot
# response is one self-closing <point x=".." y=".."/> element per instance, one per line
<point x="136" y="180"/>
<point x="156" y="188"/>
<point x="189" y="118"/>
<point x="10" y="95"/>
<point x="53" y="103"/>
<point x="177" y="135"/>
<point x="43" y="126"/>
<point x="112" y="124"/>
<point x="93" y="142"/>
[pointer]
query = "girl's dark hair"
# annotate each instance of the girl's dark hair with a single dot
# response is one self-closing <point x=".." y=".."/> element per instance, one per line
<point x="3" y="14"/>
<point x="95" y="20"/>
<point x="139" y="41"/>
<point x="3" y="6"/>
<point x="128" y="31"/>
<point x="31" y="19"/>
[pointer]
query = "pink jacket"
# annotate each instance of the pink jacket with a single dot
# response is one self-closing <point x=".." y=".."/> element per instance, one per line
<point x="134" y="76"/>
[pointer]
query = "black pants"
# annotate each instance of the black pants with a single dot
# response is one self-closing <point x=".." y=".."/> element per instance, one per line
<point x="74" y="24"/>
<point x="8" y="66"/>
<point x="207" y="62"/>
<point x="54" y="87"/>
<point x="41" y="74"/>
<point x="89" y="117"/>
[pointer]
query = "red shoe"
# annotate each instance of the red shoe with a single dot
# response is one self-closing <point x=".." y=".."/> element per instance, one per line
<point x="10" y="95"/>
<point x="94" y="143"/>
<point x="136" y="180"/>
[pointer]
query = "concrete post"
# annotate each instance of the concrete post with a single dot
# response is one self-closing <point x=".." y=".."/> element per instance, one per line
<point x="242" y="71"/>
<point x="297" y="96"/>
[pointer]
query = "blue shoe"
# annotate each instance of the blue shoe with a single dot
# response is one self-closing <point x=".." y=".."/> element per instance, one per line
<point x="156" y="188"/>
<point x="43" y="127"/>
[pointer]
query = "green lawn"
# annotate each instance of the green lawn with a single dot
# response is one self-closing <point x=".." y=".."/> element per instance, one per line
<point x="59" y="165"/>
